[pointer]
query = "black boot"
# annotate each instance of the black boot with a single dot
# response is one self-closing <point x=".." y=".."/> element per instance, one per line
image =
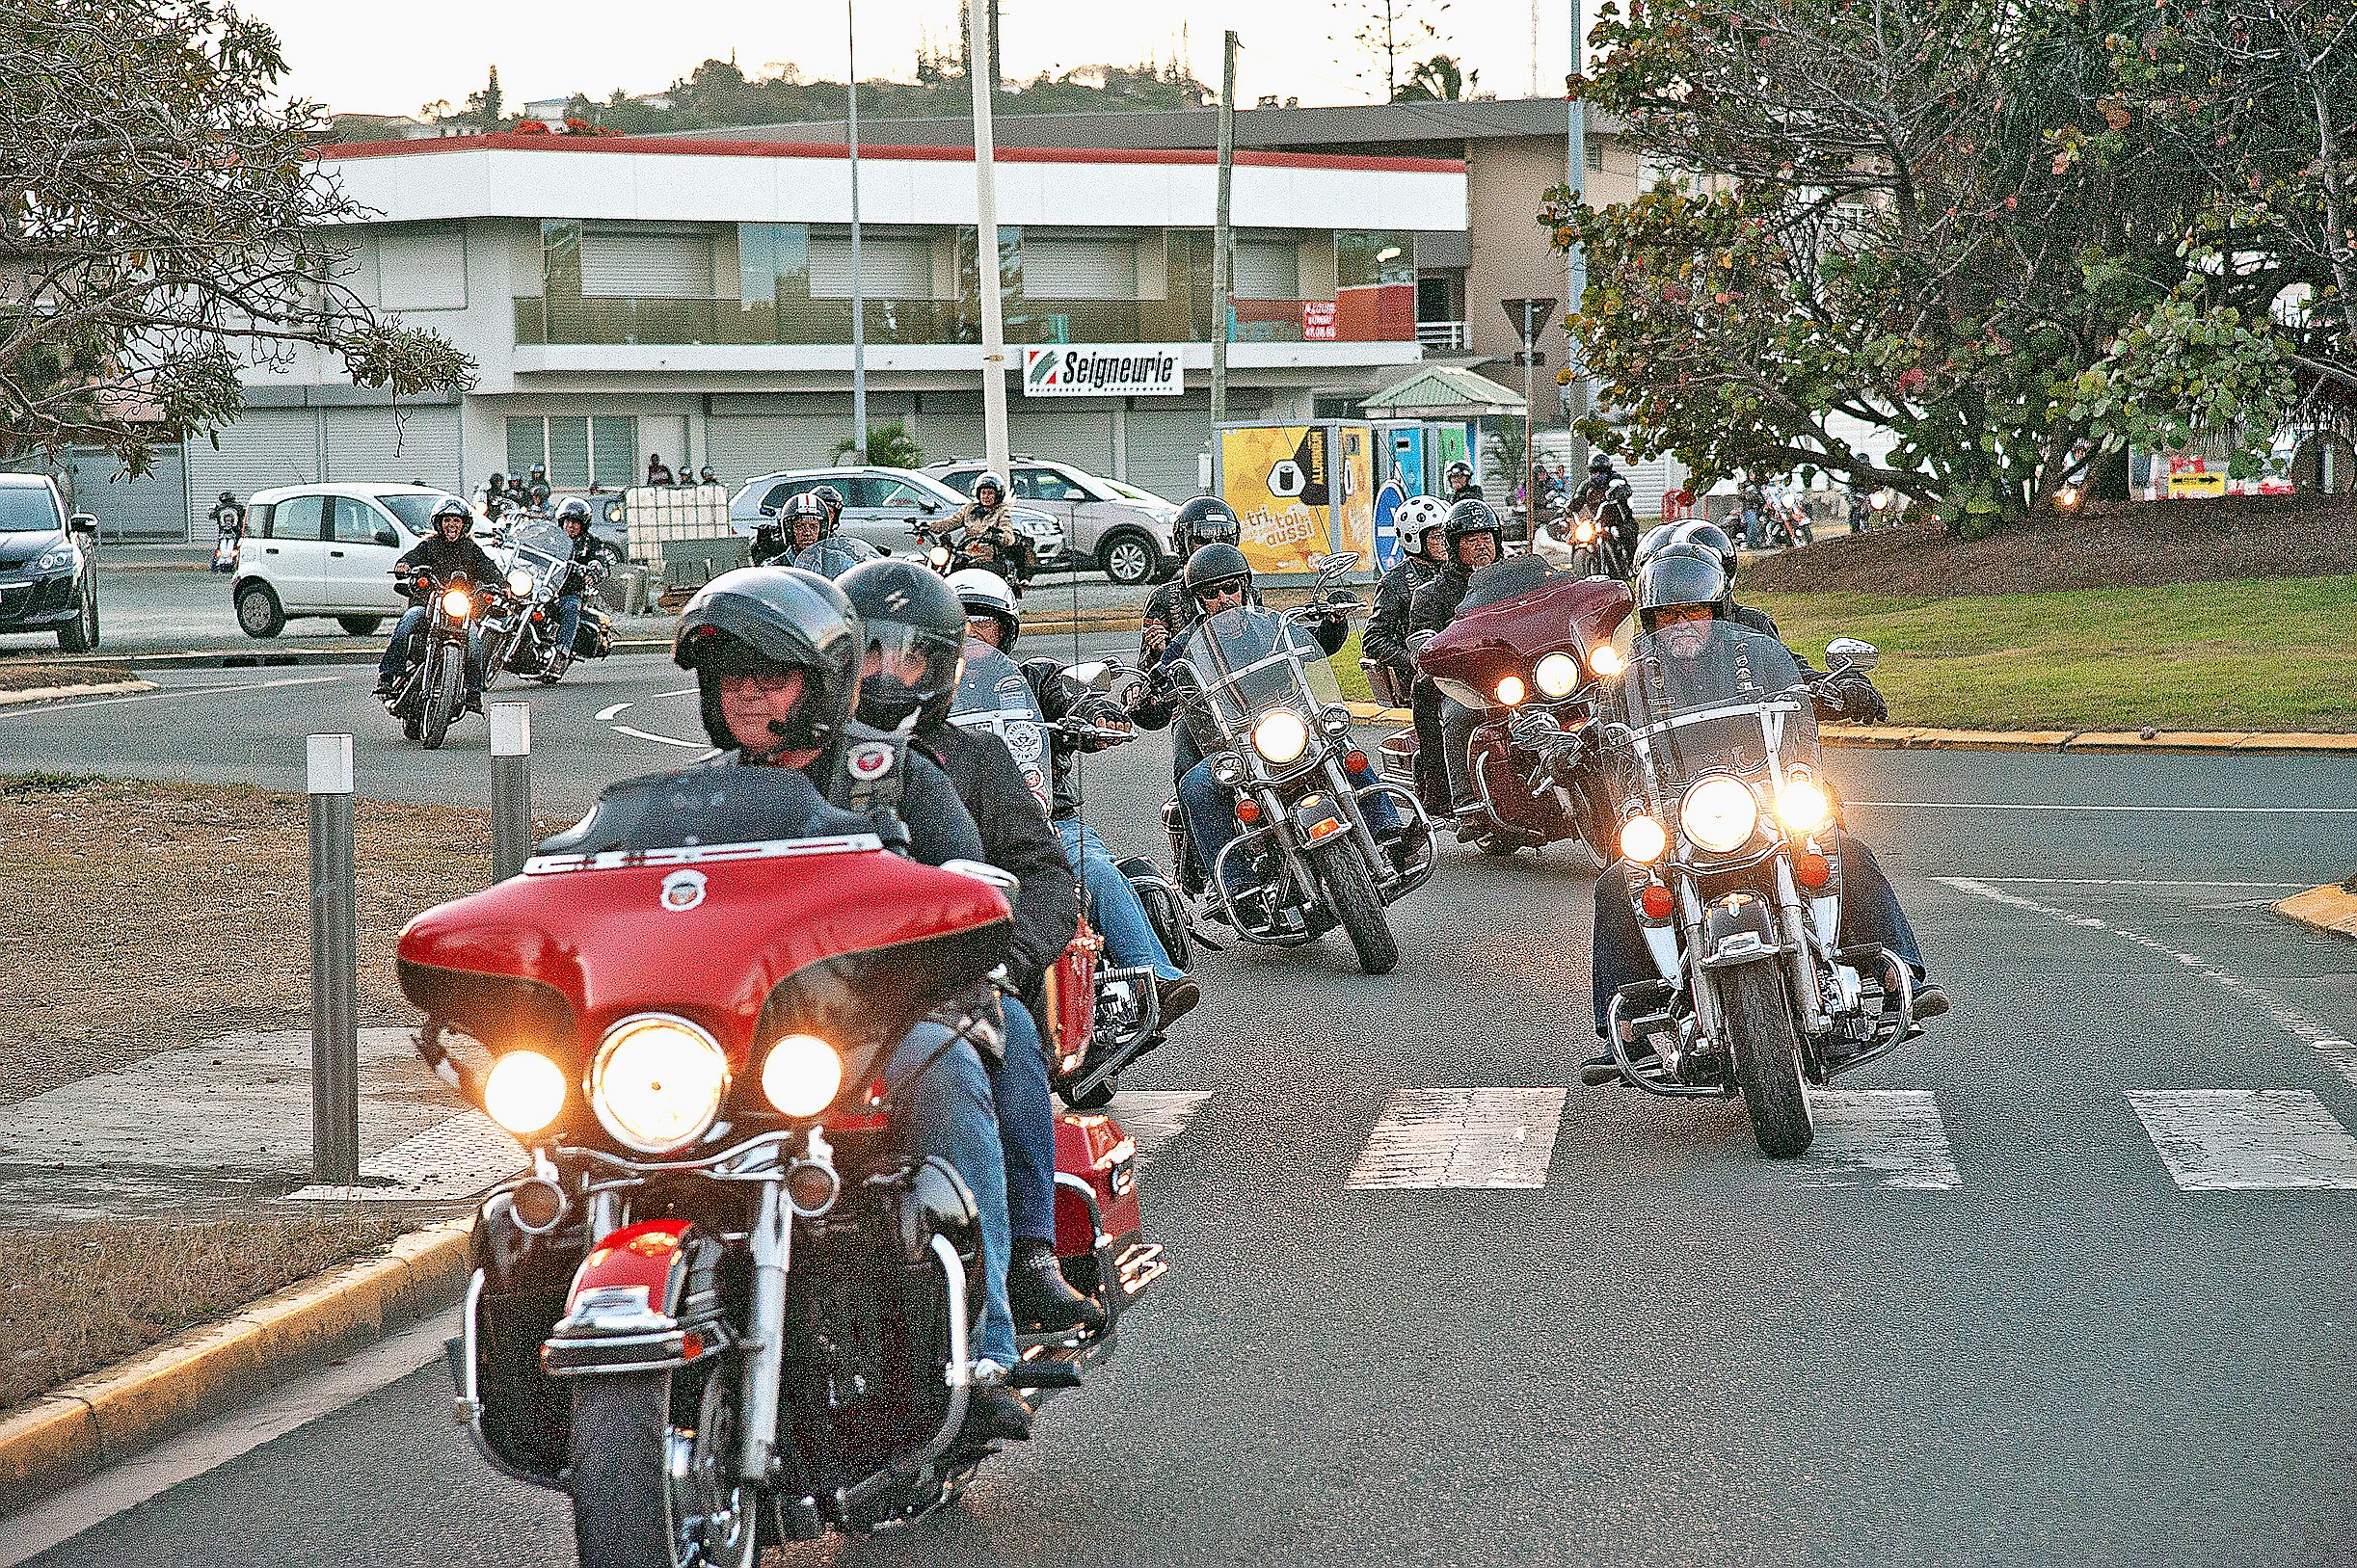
<point x="1040" y="1295"/>
<point x="992" y="1414"/>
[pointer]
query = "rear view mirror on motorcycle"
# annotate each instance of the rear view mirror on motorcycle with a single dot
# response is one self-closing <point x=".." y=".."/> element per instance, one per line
<point x="1848" y="652"/>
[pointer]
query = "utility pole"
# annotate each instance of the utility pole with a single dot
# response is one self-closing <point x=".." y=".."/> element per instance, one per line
<point x="1223" y="239"/>
<point x="979" y="49"/>
<point x="1529" y="317"/>
<point x="1575" y="392"/>
<point x="859" y="302"/>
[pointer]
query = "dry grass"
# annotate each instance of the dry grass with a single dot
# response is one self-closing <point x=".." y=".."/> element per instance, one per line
<point x="166" y="915"/>
<point x="79" y="1298"/>
<point x="22" y="675"/>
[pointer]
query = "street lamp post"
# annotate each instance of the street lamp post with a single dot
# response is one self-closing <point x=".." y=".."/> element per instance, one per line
<point x="859" y="302"/>
<point x="986" y="241"/>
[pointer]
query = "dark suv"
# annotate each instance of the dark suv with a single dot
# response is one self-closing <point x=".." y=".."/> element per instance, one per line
<point x="48" y="563"/>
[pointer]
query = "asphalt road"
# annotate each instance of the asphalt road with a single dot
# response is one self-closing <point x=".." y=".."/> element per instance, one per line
<point x="2013" y="1316"/>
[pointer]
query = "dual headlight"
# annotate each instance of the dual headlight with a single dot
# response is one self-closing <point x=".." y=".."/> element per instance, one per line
<point x="1720" y="812"/>
<point x="657" y="1083"/>
<point x="57" y="558"/>
<point x="1281" y="736"/>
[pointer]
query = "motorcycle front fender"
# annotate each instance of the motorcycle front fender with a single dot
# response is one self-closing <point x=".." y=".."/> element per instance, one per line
<point x="1739" y="928"/>
<point x="645" y="1299"/>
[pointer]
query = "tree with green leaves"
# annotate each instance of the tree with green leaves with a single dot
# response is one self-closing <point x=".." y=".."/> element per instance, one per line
<point x="888" y="447"/>
<point x="484" y="106"/>
<point x="1932" y="220"/>
<point x="1441" y="79"/>
<point x="1389" y="33"/>
<point x="162" y="228"/>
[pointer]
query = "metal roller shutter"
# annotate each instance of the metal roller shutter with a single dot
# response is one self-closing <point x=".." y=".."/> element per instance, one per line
<point x="889" y="268"/>
<point x="1267" y="272"/>
<point x="740" y="447"/>
<point x="1164" y="444"/>
<point x="265" y="448"/>
<point x="955" y="433"/>
<point x="647" y="266"/>
<point x="377" y="447"/>
<point x="1647" y="483"/>
<point x="152" y="507"/>
<point x="1078" y="436"/>
<point x="1080" y="269"/>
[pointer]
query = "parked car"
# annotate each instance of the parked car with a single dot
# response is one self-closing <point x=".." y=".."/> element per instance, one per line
<point x="48" y="563"/>
<point x="327" y="550"/>
<point x="880" y="505"/>
<point x="1123" y="530"/>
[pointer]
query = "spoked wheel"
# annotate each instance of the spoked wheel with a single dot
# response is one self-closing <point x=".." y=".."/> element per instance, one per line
<point x="1350" y="887"/>
<point x="653" y="1477"/>
<point x="1766" y="1049"/>
<point x="444" y="674"/>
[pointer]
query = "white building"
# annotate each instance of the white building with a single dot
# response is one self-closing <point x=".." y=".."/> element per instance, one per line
<point x="692" y="299"/>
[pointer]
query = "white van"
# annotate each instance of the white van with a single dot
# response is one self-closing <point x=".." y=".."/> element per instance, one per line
<point x="327" y="550"/>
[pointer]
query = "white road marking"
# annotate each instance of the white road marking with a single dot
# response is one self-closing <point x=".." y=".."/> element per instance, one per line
<point x="70" y="705"/>
<point x="1153" y="1117"/>
<point x="2247" y="1140"/>
<point x="607" y="713"/>
<point x="465" y="1156"/>
<point x="2341" y="1055"/>
<point x="683" y="691"/>
<point x="663" y="740"/>
<point x="2043" y="805"/>
<point x="68" y="1513"/>
<point x="1877" y="1138"/>
<point x="1463" y="1138"/>
<point x="2132" y="882"/>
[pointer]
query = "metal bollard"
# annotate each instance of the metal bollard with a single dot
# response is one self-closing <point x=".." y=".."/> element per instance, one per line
<point x="335" y="1066"/>
<point x="511" y="788"/>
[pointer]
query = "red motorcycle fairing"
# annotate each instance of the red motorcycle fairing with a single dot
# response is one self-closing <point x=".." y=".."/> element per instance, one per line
<point x="645" y="1297"/>
<point x="1535" y="612"/>
<point x="1072" y="999"/>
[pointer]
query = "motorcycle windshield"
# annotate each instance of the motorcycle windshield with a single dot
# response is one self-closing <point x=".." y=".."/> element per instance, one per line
<point x="1711" y="696"/>
<point x="993" y="696"/>
<point x="540" y="548"/>
<point x="1245" y="662"/>
<point x="735" y="897"/>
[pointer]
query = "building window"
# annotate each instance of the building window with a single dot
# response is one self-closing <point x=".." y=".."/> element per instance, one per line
<point x="1079" y="269"/>
<point x="891" y="267"/>
<point x="576" y="449"/>
<point x="1595" y="157"/>
<point x="638" y="264"/>
<point x="1374" y="259"/>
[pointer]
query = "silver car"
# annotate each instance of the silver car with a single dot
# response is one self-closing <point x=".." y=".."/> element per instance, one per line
<point x="1123" y="530"/>
<point x="883" y="506"/>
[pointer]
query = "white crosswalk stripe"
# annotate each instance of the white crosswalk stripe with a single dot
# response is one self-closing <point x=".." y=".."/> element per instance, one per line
<point x="1877" y="1138"/>
<point x="2246" y="1140"/>
<point x="1463" y="1138"/>
<point x="1153" y="1117"/>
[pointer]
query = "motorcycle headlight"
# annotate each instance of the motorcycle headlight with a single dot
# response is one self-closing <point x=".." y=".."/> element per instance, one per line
<point x="1642" y="840"/>
<point x="802" y="1075"/>
<point x="523" y="1092"/>
<point x="456" y="605"/>
<point x="1512" y="691"/>
<point x="657" y="1082"/>
<point x="1585" y="533"/>
<point x="1606" y="662"/>
<point x="57" y="558"/>
<point x="1280" y="736"/>
<point x="1802" y="806"/>
<point x="1557" y="674"/>
<point x="1719" y="813"/>
<point x="520" y="582"/>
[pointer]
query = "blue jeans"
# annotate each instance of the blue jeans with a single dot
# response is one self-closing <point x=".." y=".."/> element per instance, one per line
<point x="1458" y="722"/>
<point x="1027" y="1126"/>
<point x="1210" y="818"/>
<point x="397" y="651"/>
<point x="568" y="622"/>
<point x="951" y="1114"/>
<point x="1871" y="914"/>
<point x="1129" y="935"/>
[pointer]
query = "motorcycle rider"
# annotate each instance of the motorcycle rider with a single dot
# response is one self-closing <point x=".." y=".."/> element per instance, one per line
<point x="776" y="655"/>
<point x="1129" y="934"/>
<point x="805" y="520"/>
<point x="912" y="629"/>
<point x="536" y="488"/>
<point x="1474" y="539"/>
<point x="981" y="533"/>
<point x="444" y="553"/>
<point x="1170" y="609"/>
<point x="229" y="521"/>
<point x="1597" y="496"/>
<point x="1421" y="527"/>
<point x="573" y="516"/>
<point x="1843" y="694"/>
<point x="1458" y="476"/>
<point x="1683" y="591"/>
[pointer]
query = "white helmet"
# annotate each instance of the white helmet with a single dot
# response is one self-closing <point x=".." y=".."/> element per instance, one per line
<point x="985" y="592"/>
<point x="1416" y="521"/>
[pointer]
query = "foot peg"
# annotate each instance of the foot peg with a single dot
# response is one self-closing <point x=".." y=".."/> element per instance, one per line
<point x="1044" y="1374"/>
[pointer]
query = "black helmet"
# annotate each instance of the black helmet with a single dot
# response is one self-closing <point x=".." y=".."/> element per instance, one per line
<point x="804" y="505"/>
<point x="1680" y="575"/>
<point x="765" y="619"/>
<point x="913" y="629"/>
<point x="1212" y="566"/>
<point x="1206" y="520"/>
<point x="1713" y="538"/>
<point x="539" y="469"/>
<point x="990" y="478"/>
<point x="982" y="591"/>
<point x="1458" y="470"/>
<point x="226" y="499"/>
<point x="573" y="509"/>
<point x="828" y="496"/>
<point x="1658" y="538"/>
<point x="453" y="508"/>
<point x="1599" y="462"/>
<point x="1469" y="517"/>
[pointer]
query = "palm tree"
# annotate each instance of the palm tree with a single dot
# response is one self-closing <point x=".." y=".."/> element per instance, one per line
<point x="1439" y="79"/>
<point x="888" y="447"/>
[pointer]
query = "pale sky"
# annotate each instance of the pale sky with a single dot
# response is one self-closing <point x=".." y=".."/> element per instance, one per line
<point x="367" y="60"/>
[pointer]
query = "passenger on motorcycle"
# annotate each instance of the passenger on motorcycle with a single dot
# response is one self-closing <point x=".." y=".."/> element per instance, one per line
<point x="912" y="629"/>
<point x="1129" y="934"/>
<point x="1218" y="578"/>
<point x="1475" y="538"/>
<point x="1683" y="591"/>
<point x="1458" y="476"/>
<point x="1170" y="609"/>
<point x="776" y="655"/>
<point x="536" y="488"/>
<point x="444" y="553"/>
<point x="573" y="516"/>
<point x="981" y="533"/>
<point x="1421" y="527"/>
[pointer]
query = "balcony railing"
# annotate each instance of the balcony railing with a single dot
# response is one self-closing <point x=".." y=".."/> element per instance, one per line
<point x="1446" y="336"/>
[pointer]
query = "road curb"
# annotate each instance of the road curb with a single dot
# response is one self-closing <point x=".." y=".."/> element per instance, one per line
<point x="109" y="1415"/>
<point x="2330" y="908"/>
<point x="1892" y="738"/>
<point x="51" y="694"/>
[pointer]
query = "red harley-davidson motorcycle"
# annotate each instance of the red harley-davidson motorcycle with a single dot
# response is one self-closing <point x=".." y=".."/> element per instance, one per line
<point x="724" y="1307"/>
<point x="1527" y="649"/>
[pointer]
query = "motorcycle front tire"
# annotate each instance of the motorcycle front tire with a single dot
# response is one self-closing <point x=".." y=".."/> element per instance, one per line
<point x="444" y="680"/>
<point x="626" y="1496"/>
<point x="1766" y="1050"/>
<point x="1350" y="889"/>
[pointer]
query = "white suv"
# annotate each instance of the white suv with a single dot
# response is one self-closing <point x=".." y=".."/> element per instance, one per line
<point x="327" y="550"/>
<point x="1125" y="530"/>
<point x="883" y="505"/>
